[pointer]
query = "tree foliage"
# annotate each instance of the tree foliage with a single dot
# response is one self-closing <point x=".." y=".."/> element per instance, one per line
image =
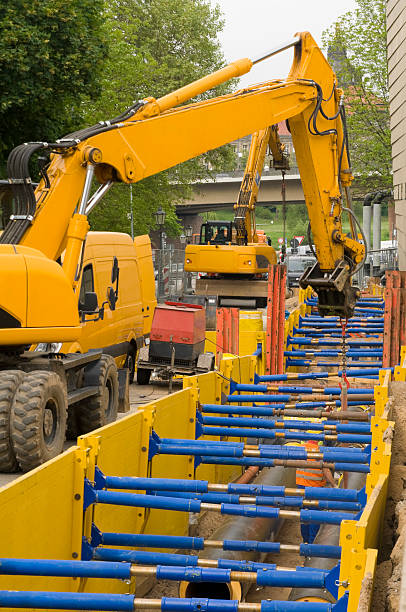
<point x="51" y="54"/>
<point x="357" y="43"/>
<point x="156" y="46"/>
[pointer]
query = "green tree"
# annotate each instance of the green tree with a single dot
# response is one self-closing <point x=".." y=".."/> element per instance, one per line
<point x="356" y="45"/>
<point x="51" y="54"/>
<point x="157" y="46"/>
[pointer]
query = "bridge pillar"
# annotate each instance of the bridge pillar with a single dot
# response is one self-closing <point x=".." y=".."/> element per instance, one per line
<point x="194" y="220"/>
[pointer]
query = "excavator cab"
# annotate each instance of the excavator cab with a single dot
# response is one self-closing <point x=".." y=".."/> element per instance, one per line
<point x="216" y="232"/>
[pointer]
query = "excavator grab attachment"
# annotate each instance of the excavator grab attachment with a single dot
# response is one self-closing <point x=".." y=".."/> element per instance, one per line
<point x="336" y="294"/>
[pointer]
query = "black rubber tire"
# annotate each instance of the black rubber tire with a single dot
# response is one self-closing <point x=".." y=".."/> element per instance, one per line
<point x="9" y="383"/>
<point x="130" y="364"/>
<point x="143" y="376"/>
<point x="38" y="418"/>
<point x="100" y="409"/>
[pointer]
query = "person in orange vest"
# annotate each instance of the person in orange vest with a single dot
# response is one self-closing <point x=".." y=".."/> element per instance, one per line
<point x="309" y="477"/>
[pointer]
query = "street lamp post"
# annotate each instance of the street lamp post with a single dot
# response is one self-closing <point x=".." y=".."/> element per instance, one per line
<point x="188" y="233"/>
<point x="182" y="240"/>
<point x="160" y="216"/>
<point x="188" y="275"/>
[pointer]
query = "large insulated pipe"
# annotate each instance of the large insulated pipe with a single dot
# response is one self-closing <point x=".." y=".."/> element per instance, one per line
<point x="367" y="218"/>
<point x="242" y="527"/>
<point x="328" y="534"/>
<point x="376" y="232"/>
<point x="377" y="222"/>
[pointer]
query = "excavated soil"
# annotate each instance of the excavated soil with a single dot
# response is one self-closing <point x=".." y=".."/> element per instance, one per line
<point x="388" y="573"/>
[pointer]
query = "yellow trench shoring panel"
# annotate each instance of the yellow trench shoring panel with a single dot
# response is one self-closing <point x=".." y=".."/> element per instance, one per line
<point x="41" y="512"/>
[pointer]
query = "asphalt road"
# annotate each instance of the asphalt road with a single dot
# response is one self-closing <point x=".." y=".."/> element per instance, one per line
<point x="139" y="395"/>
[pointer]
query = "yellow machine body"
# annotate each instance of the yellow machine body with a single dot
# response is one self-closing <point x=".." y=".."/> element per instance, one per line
<point x="130" y="322"/>
<point x="36" y="299"/>
<point x="229" y="258"/>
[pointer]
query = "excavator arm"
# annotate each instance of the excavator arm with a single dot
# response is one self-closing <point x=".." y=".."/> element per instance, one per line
<point x="244" y="217"/>
<point x="155" y="135"/>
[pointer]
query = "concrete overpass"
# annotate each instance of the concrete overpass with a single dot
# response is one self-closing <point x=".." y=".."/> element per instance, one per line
<point x="223" y="192"/>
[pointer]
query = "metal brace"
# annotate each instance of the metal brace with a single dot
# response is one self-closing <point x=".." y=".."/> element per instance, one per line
<point x="345" y="583"/>
<point x="20" y="181"/>
<point x="21" y="218"/>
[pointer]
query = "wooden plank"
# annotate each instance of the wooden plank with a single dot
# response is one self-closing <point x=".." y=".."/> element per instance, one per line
<point x="281" y="328"/>
<point x="275" y="313"/>
<point x="235" y="330"/>
<point x="269" y="320"/>
<point x="387" y="333"/>
<point x="402" y="317"/>
<point x="395" y="328"/>
<point x="219" y="334"/>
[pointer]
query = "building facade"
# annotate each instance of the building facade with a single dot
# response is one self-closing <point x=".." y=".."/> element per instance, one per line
<point x="396" y="41"/>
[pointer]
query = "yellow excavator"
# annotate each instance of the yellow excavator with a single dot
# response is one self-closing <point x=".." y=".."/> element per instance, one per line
<point x="38" y="302"/>
<point x="230" y="251"/>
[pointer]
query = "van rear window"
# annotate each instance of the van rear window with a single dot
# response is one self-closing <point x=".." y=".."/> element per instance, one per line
<point x="87" y="283"/>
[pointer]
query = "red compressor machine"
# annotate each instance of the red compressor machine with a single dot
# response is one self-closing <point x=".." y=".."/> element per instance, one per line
<point x="176" y="343"/>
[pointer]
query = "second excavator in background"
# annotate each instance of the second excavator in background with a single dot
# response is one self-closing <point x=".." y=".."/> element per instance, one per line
<point x="230" y="251"/>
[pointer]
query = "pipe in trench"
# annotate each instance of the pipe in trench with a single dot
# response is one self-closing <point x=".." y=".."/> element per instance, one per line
<point x="328" y="534"/>
<point x="241" y="528"/>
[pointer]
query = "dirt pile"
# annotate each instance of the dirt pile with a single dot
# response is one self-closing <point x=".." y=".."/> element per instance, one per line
<point x="390" y="555"/>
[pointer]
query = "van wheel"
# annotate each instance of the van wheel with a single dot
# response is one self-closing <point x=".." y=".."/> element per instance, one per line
<point x="143" y="376"/>
<point x="100" y="409"/>
<point x="38" y="418"/>
<point x="9" y="383"/>
<point x="130" y="364"/>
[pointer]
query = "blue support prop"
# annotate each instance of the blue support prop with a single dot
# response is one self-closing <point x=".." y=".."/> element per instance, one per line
<point x="143" y="557"/>
<point x="277" y="502"/>
<point x="247" y="461"/>
<point x="151" y="541"/>
<point x="193" y="543"/>
<point x="320" y="550"/>
<point x="286" y="424"/>
<point x="47" y="600"/>
<point x="335" y="342"/>
<point x="77" y="569"/>
<point x="190" y="505"/>
<point x="169" y="604"/>
<point x="240" y="432"/>
<point x="270" y="410"/>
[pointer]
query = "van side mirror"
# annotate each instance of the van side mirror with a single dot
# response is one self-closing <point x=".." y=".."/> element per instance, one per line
<point x="90" y="302"/>
<point x="114" y="270"/>
<point x="115" y="273"/>
<point x="111" y="298"/>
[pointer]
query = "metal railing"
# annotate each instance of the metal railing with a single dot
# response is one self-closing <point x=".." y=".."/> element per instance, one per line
<point x="171" y="279"/>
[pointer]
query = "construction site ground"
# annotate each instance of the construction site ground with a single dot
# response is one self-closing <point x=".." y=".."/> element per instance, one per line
<point x="139" y="395"/>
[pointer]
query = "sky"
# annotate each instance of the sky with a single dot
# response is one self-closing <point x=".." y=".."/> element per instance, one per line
<point x="253" y="27"/>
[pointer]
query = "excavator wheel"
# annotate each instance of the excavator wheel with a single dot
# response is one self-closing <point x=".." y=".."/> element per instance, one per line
<point x="9" y="383"/>
<point x="102" y="408"/>
<point x="38" y="418"/>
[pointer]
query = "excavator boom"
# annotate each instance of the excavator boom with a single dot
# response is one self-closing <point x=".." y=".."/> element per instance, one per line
<point x="155" y="135"/>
